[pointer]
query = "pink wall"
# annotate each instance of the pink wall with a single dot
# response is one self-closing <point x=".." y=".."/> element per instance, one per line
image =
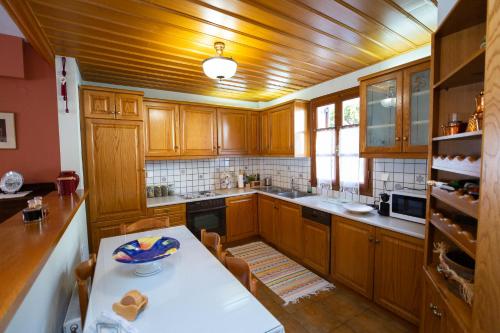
<point x="34" y="102"/>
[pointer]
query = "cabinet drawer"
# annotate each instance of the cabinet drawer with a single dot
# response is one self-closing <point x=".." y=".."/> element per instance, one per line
<point x="167" y="210"/>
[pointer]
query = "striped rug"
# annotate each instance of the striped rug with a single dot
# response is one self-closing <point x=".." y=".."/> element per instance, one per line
<point x="287" y="279"/>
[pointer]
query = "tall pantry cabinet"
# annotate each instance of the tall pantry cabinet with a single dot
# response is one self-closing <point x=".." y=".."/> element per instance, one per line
<point x="114" y="159"/>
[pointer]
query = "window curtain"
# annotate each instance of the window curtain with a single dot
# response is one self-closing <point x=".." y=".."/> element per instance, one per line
<point x="325" y="156"/>
<point x="352" y="167"/>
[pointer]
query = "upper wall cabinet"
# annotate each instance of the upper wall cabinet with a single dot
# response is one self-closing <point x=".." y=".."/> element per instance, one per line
<point x="254" y="133"/>
<point x="105" y="103"/>
<point x="198" y="130"/>
<point x="233" y="129"/>
<point x="395" y="112"/>
<point x="285" y="130"/>
<point x="162" y="129"/>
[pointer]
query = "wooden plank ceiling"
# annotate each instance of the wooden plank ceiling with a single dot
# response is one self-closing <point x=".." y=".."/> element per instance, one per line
<point x="281" y="45"/>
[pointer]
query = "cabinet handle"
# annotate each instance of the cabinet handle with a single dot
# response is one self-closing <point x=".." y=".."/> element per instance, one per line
<point x="371" y="239"/>
<point x="405" y="138"/>
<point x="437" y="313"/>
<point x="377" y="241"/>
<point x="398" y="138"/>
<point x="218" y="147"/>
<point x="176" y="147"/>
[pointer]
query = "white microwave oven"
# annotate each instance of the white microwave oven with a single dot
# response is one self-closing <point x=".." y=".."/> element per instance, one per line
<point x="408" y="205"/>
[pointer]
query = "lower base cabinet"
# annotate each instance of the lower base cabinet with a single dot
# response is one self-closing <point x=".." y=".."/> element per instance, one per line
<point x="289" y="228"/>
<point x="267" y="218"/>
<point x="176" y="213"/>
<point x="436" y="318"/>
<point x="99" y="230"/>
<point x="353" y="254"/>
<point x="380" y="264"/>
<point x="316" y="238"/>
<point x="241" y="217"/>
<point x="398" y="273"/>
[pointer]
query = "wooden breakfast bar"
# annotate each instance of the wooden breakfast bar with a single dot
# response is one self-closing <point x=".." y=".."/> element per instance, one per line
<point x="25" y="249"/>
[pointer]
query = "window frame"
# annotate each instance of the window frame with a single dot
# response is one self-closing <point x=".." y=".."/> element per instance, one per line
<point x="337" y="99"/>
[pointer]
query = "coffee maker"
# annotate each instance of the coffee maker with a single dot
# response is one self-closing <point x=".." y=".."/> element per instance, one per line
<point x="384" y="205"/>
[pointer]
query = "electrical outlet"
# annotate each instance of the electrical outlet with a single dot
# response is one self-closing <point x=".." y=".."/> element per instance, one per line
<point x="384" y="177"/>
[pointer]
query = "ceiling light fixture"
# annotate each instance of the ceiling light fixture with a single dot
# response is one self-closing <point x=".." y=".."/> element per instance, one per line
<point x="219" y="67"/>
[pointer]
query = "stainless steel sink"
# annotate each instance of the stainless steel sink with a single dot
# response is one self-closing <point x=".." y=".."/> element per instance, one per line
<point x="293" y="194"/>
<point x="271" y="189"/>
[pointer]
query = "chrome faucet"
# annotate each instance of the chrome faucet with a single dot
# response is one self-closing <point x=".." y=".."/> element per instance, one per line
<point x="292" y="185"/>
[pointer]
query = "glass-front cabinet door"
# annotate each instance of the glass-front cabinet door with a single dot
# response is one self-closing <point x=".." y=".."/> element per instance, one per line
<point x="416" y="98"/>
<point x="381" y="113"/>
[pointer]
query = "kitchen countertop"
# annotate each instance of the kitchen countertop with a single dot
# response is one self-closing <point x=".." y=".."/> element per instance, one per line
<point x="315" y="201"/>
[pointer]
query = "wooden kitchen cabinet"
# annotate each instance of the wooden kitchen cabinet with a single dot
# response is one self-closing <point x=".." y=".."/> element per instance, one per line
<point x="264" y="132"/>
<point x="161" y="129"/>
<point x="316" y="251"/>
<point x="379" y="264"/>
<point x="289" y="228"/>
<point x="267" y="218"/>
<point x="254" y="133"/>
<point x="104" y="103"/>
<point x="281" y="130"/>
<point x="241" y="217"/>
<point x="436" y="316"/>
<point x="285" y="130"/>
<point x="115" y="169"/>
<point x="99" y="104"/>
<point x="398" y="273"/>
<point x="128" y="106"/>
<point x="233" y="127"/>
<point x="198" y="130"/>
<point x="394" y="111"/>
<point x="353" y="247"/>
<point x="176" y="213"/>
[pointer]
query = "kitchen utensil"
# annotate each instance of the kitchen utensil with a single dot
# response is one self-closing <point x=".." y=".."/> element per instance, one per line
<point x="67" y="182"/>
<point x="11" y="182"/>
<point x="268" y="181"/>
<point x="357" y="208"/>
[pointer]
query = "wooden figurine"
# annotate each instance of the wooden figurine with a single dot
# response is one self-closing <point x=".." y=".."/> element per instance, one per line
<point x="131" y="304"/>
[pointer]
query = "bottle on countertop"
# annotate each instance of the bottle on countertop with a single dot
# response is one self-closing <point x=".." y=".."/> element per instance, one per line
<point x="309" y="187"/>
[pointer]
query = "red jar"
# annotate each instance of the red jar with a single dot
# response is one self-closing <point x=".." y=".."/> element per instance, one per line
<point x="67" y="182"/>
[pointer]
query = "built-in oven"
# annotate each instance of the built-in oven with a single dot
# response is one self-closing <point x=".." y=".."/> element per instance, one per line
<point x="206" y="214"/>
<point x="408" y="205"/>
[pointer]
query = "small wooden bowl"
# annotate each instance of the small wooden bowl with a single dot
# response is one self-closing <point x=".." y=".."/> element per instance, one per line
<point x="131" y="304"/>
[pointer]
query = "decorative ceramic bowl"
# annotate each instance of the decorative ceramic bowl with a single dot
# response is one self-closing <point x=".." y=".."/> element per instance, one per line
<point x="145" y="252"/>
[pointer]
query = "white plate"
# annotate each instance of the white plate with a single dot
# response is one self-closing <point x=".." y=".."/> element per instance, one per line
<point x="357" y="208"/>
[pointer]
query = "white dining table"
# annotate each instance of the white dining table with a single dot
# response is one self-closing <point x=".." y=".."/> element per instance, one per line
<point x="194" y="292"/>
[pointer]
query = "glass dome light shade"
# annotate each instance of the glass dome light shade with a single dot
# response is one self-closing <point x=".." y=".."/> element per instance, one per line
<point x="219" y="67"/>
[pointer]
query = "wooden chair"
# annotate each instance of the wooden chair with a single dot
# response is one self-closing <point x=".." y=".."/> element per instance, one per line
<point x="212" y="241"/>
<point x="145" y="224"/>
<point x="241" y="270"/>
<point x="84" y="273"/>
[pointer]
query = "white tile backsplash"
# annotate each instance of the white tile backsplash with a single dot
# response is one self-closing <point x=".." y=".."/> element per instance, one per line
<point x="198" y="175"/>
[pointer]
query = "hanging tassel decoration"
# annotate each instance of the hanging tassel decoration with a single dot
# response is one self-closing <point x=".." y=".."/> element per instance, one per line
<point x="64" y="91"/>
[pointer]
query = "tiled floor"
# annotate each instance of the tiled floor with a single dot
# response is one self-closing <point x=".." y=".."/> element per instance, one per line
<point x="340" y="311"/>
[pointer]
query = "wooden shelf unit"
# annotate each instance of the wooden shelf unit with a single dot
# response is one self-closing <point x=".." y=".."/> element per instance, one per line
<point x="462" y="202"/>
<point x="470" y="71"/>
<point x="457" y="76"/>
<point x="460" y="136"/>
<point x="463" y="239"/>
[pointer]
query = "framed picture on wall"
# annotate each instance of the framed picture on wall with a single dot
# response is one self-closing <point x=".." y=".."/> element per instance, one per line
<point x="7" y="131"/>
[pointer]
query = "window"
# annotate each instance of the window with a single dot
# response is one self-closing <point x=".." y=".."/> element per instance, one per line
<point x="335" y="158"/>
